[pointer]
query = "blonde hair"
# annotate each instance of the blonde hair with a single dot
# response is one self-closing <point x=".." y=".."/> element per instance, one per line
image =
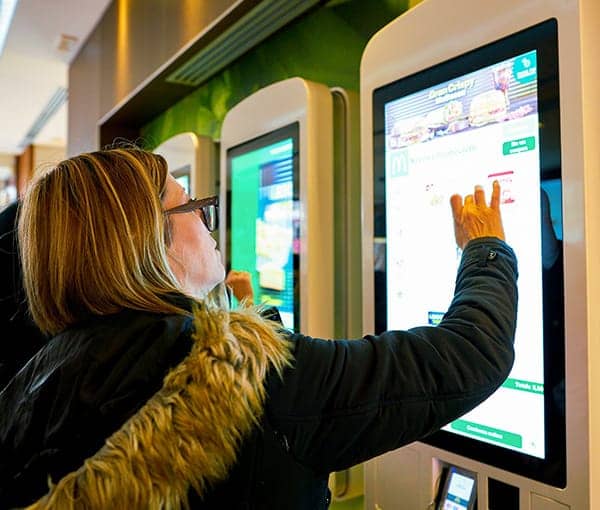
<point x="92" y="239"/>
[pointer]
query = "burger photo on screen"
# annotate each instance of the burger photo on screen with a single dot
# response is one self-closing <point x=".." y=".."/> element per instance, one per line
<point x="487" y="107"/>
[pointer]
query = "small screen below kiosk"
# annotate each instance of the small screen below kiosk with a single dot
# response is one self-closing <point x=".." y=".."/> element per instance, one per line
<point x="491" y="114"/>
<point x="264" y="229"/>
<point x="459" y="491"/>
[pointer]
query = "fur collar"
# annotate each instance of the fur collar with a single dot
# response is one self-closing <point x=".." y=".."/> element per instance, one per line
<point x="188" y="433"/>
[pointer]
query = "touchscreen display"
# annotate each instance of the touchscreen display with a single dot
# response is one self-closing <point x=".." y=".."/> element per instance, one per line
<point x="490" y="114"/>
<point x="459" y="491"/>
<point x="474" y="129"/>
<point x="264" y="230"/>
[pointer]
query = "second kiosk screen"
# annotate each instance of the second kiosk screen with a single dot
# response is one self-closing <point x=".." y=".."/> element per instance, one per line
<point x="263" y="207"/>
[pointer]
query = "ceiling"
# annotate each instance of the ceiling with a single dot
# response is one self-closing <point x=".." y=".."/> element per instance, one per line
<point x="33" y="68"/>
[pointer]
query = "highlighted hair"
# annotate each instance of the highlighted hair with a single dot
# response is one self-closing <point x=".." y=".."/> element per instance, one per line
<point x="92" y="238"/>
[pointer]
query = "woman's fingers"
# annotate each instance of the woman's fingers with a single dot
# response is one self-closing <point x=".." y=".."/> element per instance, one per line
<point x="473" y="218"/>
<point x="495" y="202"/>
<point x="479" y="196"/>
<point x="457" y="204"/>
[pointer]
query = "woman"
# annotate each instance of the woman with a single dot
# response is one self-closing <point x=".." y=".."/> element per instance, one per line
<point x="150" y="395"/>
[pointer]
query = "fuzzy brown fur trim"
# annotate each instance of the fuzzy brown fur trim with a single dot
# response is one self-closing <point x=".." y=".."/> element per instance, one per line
<point x="187" y="434"/>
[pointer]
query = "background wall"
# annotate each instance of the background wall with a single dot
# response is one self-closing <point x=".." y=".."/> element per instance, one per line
<point x="323" y="46"/>
<point x="137" y="39"/>
<point x="8" y="184"/>
<point x="133" y="39"/>
<point x="47" y="155"/>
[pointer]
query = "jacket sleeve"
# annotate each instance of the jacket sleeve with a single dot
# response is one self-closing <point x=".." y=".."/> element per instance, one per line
<point x="346" y="401"/>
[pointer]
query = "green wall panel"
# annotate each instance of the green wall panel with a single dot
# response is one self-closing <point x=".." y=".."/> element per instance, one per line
<point x="352" y="504"/>
<point x="325" y="46"/>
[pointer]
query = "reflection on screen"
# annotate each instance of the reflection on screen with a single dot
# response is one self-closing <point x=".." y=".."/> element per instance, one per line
<point x="184" y="181"/>
<point x="263" y="225"/>
<point x="474" y="129"/>
<point x="183" y="176"/>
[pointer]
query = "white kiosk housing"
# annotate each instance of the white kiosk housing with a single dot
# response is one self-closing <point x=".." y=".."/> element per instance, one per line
<point x="463" y="92"/>
<point x="276" y="200"/>
<point x="193" y="161"/>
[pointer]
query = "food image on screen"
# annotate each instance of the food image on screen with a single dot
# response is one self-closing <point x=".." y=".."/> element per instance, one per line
<point x="487" y="107"/>
<point x="264" y="220"/>
<point x="444" y="139"/>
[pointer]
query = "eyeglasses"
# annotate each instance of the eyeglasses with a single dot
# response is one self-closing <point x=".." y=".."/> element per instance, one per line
<point x="207" y="207"/>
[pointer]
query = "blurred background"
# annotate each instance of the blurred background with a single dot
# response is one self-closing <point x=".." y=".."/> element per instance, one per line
<point x="38" y="40"/>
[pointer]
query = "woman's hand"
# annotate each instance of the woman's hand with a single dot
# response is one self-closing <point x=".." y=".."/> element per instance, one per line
<point x="473" y="218"/>
<point x="240" y="284"/>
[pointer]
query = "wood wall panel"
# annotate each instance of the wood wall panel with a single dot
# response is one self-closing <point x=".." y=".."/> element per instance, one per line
<point x="24" y="169"/>
<point x="131" y="42"/>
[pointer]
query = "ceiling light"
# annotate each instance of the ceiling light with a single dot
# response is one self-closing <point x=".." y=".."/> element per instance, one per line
<point x="66" y="43"/>
<point x="56" y="101"/>
<point x="7" y="9"/>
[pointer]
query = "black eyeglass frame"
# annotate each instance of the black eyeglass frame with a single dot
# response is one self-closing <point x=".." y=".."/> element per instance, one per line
<point x="209" y="207"/>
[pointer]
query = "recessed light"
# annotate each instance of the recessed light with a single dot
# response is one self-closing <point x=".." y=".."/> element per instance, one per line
<point x="7" y="10"/>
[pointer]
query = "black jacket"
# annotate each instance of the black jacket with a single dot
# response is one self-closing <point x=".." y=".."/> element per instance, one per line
<point x="339" y="402"/>
<point x="20" y="339"/>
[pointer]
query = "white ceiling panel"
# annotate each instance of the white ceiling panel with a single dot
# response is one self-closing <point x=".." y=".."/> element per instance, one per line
<point x="32" y="67"/>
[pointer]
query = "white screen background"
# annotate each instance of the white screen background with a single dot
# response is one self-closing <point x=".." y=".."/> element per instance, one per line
<point x="422" y="172"/>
